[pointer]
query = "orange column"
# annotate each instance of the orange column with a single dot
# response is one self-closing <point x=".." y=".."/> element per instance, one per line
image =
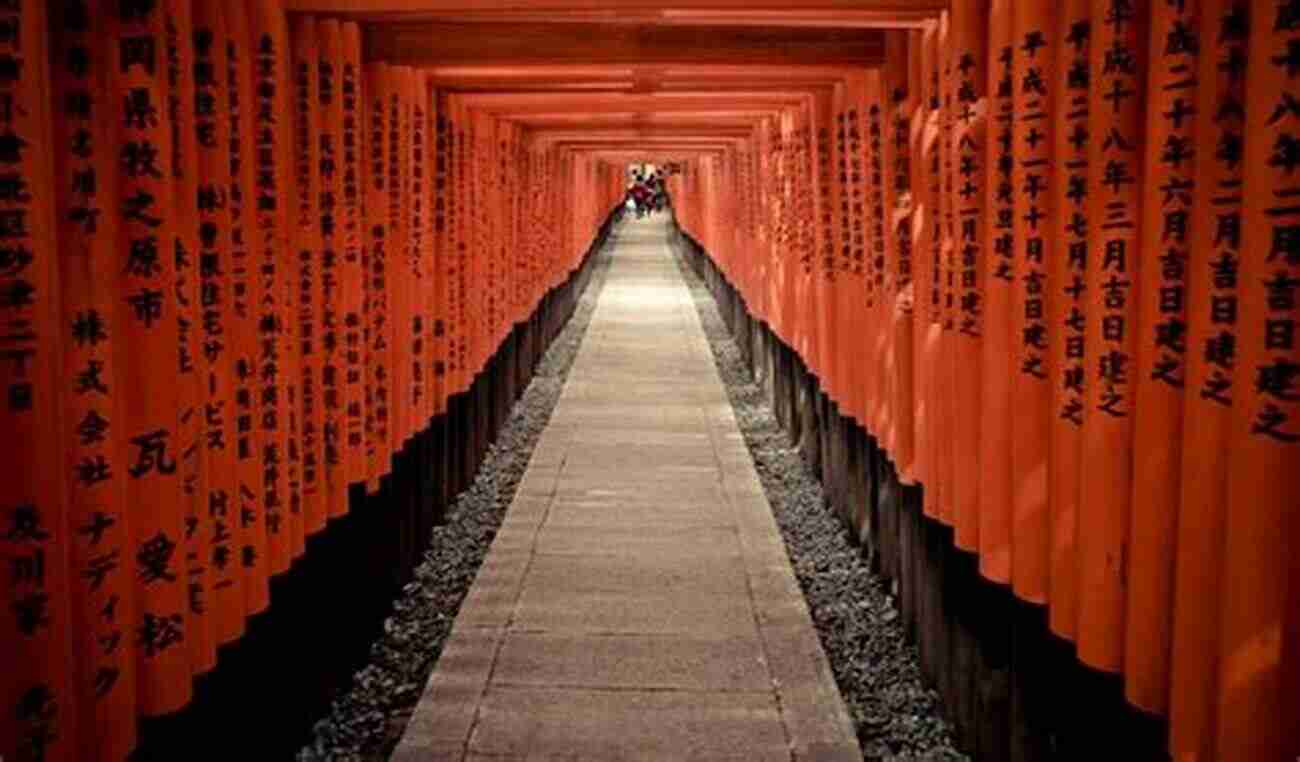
<point x="505" y="231"/>
<point x="1067" y="286"/>
<point x="400" y="229"/>
<point x="927" y="188"/>
<point x="805" y="209"/>
<point x="422" y="169"/>
<point x="147" y="316"/>
<point x="333" y="242"/>
<point x="307" y="266"/>
<point x="247" y="437"/>
<point x="39" y="691"/>
<point x="458" y="261"/>
<point x="1213" y="274"/>
<point x="1033" y="80"/>
<point x="191" y="389"/>
<point x="1114" y="170"/>
<point x="419" y="263"/>
<point x="272" y="534"/>
<point x="770" y="165"/>
<point x="286" y="272"/>
<point x="269" y="234"/>
<point x="1259" y="646"/>
<point x="942" y="400"/>
<point x="920" y="243"/>
<point x="969" y="30"/>
<point x="825" y="284"/>
<point x="381" y="247"/>
<point x="895" y="276"/>
<point x="863" y="301"/>
<point x="444" y="218"/>
<point x="351" y="268"/>
<point x="789" y="246"/>
<point x="102" y="680"/>
<point x="211" y="456"/>
<point x="858" y="299"/>
<point x="999" y="276"/>
<point x="476" y="249"/>
<point x="1161" y="348"/>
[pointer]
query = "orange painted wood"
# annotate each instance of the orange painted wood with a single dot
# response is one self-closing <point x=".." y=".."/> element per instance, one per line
<point x="1161" y="352"/>
<point x="477" y="252"/>
<point x="213" y="471"/>
<point x="620" y="8"/>
<point x="1213" y="275"/>
<point x="382" y="248"/>
<point x="896" y="270"/>
<point x="400" y="226"/>
<point x="1114" y="174"/>
<point x="307" y="263"/>
<point x="1259" y="663"/>
<point x="969" y="31"/>
<point x="352" y="155"/>
<point x="333" y="244"/>
<point x="919" y="243"/>
<point x="101" y="684"/>
<point x="925" y="252"/>
<point x="1036" y="246"/>
<point x="37" y="661"/>
<point x="875" y="322"/>
<point x="876" y="319"/>
<point x="285" y="529"/>
<point x="860" y="300"/>
<point x="243" y="200"/>
<point x="146" y="317"/>
<point x="444" y="223"/>
<point x="824" y="288"/>
<point x="269" y="96"/>
<point x="803" y="208"/>
<point x="1067" y="286"/>
<point x="944" y="381"/>
<point x="422" y="210"/>
<point x="459" y="262"/>
<point x="995" y="489"/>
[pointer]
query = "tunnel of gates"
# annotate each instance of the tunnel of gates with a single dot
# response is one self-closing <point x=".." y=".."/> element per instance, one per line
<point x="1027" y="290"/>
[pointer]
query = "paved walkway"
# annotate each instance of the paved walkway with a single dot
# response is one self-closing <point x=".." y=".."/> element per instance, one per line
<point x="637" y="603"/>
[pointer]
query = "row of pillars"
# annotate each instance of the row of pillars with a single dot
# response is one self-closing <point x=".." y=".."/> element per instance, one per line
<point x="242" y="272"/>
<point x="1047" y="255"/>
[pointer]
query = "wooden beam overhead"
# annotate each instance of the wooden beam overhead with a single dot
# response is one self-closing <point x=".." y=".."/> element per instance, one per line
<point x="588" y="72"/>
<point x="625" y="135"/>
<point x="552" y="102"/>
<point x="883" y="14"/>
<point x="614" y="78"/>
<point x="718" y="116"/>
<point x="457" y="43"/>
<point x="912" y="19"/>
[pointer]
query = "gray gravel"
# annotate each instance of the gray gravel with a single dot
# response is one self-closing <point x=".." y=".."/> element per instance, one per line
<point x="896" y="715"/>
<point x="365" y="723"/>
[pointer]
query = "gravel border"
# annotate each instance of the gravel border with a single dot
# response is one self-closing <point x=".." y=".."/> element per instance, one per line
<point x="896" y="716"/>
<point x="365" y="723"/>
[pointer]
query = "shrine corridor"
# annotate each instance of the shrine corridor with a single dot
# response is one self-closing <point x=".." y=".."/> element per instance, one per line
<point x="353" y="406"/>
<point x="637" y="602"/>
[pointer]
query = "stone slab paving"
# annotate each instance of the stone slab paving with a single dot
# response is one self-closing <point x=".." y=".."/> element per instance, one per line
<point x="637" y="603"/>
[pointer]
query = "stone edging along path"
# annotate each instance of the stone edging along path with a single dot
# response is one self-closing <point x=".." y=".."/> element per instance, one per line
<point x="365" y="723"/>
<point x="896" y="716"/>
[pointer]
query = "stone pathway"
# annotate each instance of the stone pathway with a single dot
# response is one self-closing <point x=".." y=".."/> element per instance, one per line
<point x="637" y="603"/>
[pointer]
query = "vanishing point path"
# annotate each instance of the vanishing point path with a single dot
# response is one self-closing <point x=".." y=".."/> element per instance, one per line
<point x="637" y="603"/>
